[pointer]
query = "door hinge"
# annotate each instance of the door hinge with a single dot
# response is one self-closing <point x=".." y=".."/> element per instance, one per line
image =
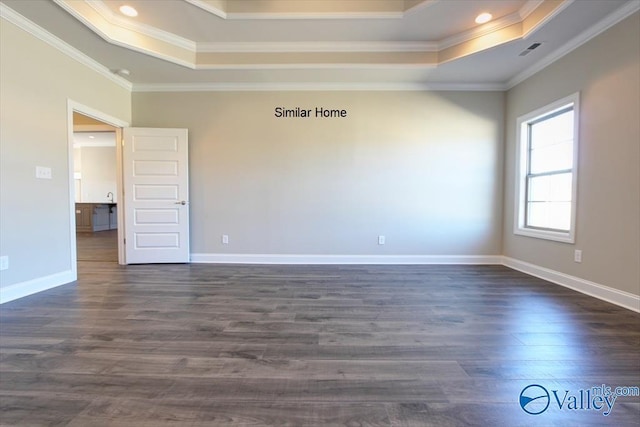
<point x="124" y="241"/>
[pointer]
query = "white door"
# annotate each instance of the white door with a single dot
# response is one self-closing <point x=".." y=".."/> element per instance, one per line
<point x="156" y="195"/>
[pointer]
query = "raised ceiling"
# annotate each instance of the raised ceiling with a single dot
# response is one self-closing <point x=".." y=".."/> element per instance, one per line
<point x="319" y="44"/>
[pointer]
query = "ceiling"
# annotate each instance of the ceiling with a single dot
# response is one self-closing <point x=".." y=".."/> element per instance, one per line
<point x="94" y="139"/>
<point x="317" y="44"/>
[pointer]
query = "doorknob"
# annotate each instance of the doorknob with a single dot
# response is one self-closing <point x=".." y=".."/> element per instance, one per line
<point x="181" y="203"/>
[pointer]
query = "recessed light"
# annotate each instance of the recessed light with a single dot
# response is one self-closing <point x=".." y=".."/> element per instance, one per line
<point x="91" y="137"/>
<point x="128" y="11"/>
<point x="483" y="18"/>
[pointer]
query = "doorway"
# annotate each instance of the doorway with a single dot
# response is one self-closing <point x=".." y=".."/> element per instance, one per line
<point x="154" y="166"/>
<point x="95" y="187"/>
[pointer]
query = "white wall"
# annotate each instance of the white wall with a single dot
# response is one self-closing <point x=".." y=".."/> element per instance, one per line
<point x="35" y="214"/>
<point x="422" y="168"/>
<point x="97" y="168"/>
<point x="606" y="71"/>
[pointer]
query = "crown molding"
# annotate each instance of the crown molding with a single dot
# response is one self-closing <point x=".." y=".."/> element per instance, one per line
<point x="147" y="30"/>
<point x="547" y="18"/>
<point x="23" y="23"/>
<point x="314" y="87"/>
<point x="419" y="6"/>
<point x="208" y="8"/>
<point x="318" y="66"/>
<point x="181" y="51"/>
<point x="277" y="87"/>
<point x="483" y="30"/>
<point x="294" y="47"/>
<point x="528" y="8"/>
<point x="106" y="31"/>
<point x="501" y="23"/>
<point x="609" y="21"/>
<point x="221" y="12"/>
<point x="316" y="15"/>
<point x="612" y="19"/>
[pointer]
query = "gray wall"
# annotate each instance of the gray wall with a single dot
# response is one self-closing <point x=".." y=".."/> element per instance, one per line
<point x="422" y="168"/>
<point x="605" y="71"/>
<point x="35" y="214"/>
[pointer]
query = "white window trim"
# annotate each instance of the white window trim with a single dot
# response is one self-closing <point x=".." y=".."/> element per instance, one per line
<point x="521" y="171"/>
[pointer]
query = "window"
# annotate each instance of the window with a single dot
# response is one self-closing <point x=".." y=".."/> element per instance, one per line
<point x="547" y="171"/>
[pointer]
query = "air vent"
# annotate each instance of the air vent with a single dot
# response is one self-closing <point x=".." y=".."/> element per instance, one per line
<point x="530" y="49"/>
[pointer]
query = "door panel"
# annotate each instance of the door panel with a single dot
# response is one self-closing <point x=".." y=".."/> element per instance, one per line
<point x="156" y="191"/>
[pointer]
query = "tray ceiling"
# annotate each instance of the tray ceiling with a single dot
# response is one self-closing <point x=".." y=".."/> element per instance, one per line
<point x="324" y="44"/>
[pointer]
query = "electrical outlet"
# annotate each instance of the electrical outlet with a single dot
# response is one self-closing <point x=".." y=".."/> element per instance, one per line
<point x="225" y="239"/>
<point x="381" y="240"/>
<point x="577" y="255"/>
<point x="43" y="172"/>
<point x="4" y="262"/>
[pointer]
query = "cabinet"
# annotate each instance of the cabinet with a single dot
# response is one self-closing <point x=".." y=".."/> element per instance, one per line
<point x="100" y="217"/>
<point x="84" y="214"/>
<point x="113" y="217"/>
<point x="96" y="217"/>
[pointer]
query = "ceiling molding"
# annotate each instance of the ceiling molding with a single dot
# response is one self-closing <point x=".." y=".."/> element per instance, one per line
<point x="129" y="38"/>
<point x="207" y="56"/>
<point x="209" y="7"/>
<point x="317" y="15"/>
<point x="312" y="87"/>
<point x="528" y="8"/>
<point x="548" y="11"/>
<point x="418" y="6"/>
<point x="138" y="27"/>
<point x="609" y="21"/>
<point x="505" y="22"/>
<point x="483" y="30"/>
<point x="222" y="9"/>
<point x="319" y="66"/>
<point x="23" y="23"/>
<point x="297" y="47"/>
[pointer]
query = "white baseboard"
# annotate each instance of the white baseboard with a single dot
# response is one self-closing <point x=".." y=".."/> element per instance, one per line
<point x="343" y="259"/>
<point x="30" y="287"/>
<point x="605" y="293"/>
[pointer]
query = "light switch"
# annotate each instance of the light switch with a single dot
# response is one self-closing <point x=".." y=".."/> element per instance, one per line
<point x="43" y="172"/>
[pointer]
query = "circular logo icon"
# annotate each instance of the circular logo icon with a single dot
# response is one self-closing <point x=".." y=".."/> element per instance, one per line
<point x="534" y="399"/>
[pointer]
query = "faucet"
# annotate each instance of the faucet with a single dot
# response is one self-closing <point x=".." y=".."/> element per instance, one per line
<point x="110" y="196"/>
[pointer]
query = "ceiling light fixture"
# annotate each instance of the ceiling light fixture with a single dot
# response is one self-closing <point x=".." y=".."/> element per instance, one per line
<point x="128" y="11"/>
<point x="483" y="18"/>
<point x="122" y="72"/>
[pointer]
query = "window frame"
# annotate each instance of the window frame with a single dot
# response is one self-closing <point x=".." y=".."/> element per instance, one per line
<point x="522" y="168"/>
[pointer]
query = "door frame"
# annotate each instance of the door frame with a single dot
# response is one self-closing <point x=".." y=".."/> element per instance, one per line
<point x="73" y="106"/>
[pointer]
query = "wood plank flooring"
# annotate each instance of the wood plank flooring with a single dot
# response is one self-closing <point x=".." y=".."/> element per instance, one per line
<point x="223" y="345"/>
<point x="98" y="246"/>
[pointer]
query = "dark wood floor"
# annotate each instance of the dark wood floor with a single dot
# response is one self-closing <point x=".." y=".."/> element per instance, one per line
<point x="99" y="246"/>
<point x="209" y="345"/>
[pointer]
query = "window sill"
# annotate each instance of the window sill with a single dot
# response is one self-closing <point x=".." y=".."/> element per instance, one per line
<point x="557" y="236"/>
